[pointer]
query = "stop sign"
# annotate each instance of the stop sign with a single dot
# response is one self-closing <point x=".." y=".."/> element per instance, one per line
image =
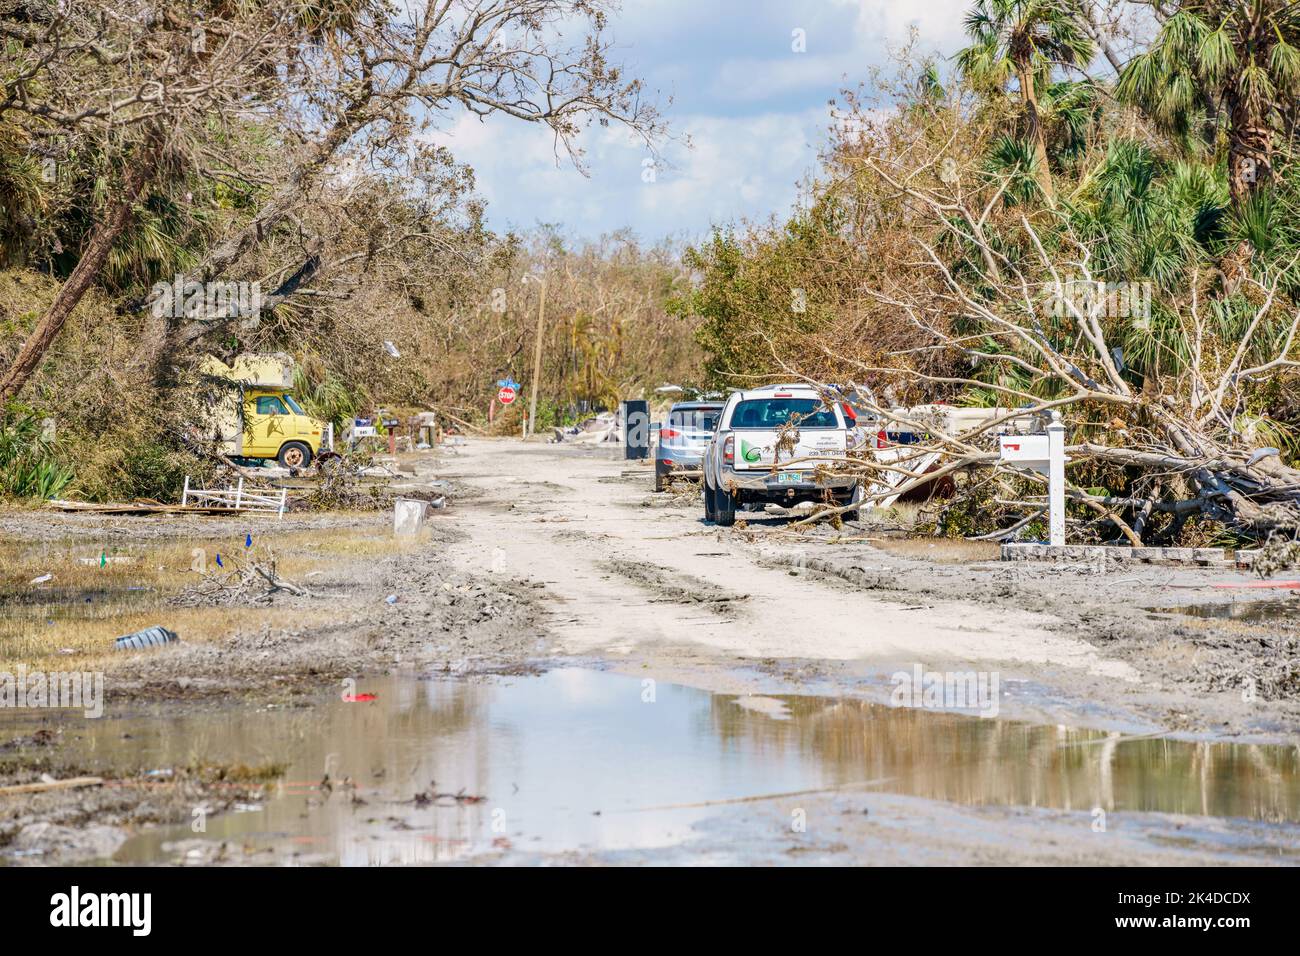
<point x="505" y="395"/>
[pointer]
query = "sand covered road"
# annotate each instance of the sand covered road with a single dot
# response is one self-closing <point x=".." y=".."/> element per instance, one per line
<point x="639" y="580"/>
<point x="654" y="588"/>
<point x="562" y="555"/>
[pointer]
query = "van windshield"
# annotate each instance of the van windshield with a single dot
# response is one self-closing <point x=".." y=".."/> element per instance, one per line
<point x="294" y="405"/>
<point x="775" y="412"/>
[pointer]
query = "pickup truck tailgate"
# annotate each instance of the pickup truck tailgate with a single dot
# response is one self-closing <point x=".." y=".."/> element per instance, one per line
<point x="756" y="449"/>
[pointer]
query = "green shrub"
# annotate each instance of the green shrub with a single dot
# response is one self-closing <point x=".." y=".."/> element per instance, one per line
<point x="29" y="465"/>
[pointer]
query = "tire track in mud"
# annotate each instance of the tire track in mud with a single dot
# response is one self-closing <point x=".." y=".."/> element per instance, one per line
<point x="530" y="528"/>
<point x="675" y="587"/>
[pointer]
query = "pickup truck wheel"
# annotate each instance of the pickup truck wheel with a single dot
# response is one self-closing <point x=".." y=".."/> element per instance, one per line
<point x="294" y="454"/>
<point x="854" y="498"/>
<point x="709" y="514"/>
<point x="724" y="508"/>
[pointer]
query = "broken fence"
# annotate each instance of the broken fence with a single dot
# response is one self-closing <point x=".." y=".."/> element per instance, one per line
<point x="237" y="498"/>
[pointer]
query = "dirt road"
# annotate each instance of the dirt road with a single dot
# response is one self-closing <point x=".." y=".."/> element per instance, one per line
<point x="764" y="650"/>
<point x="641" y="580"/>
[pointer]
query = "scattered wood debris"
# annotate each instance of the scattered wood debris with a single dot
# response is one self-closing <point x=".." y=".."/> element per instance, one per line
<point x="140" y="506"/>
<point x="247" y="581"/>
<point x="71" y="783"/>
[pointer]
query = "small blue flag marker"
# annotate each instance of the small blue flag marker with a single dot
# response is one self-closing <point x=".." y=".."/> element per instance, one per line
<point x="219" y="564"/>
<point x="248" y="540"/>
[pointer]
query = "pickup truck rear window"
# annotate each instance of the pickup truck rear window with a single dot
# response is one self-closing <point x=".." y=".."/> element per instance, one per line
<point x="775" y="412"/>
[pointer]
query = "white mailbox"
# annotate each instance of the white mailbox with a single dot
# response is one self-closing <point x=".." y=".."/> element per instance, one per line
<point x="1045" y="454"/>
<point x="1029" y="449"/>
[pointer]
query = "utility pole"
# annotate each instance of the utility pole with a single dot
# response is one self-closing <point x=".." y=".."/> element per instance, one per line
<point x="535" y="385"/>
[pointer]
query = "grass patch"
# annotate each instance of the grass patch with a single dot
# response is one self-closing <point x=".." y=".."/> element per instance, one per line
<point x="100" y="591"/>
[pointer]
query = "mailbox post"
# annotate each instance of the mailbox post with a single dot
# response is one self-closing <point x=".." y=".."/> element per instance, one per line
<point x="1056" y="480"/>
<point x="1045" y="454"/>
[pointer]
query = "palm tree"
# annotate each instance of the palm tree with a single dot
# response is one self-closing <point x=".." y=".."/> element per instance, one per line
<point x="1068" y="114"/>
<point x="25" y="199"/>
<point x="1237" y="59"/>
<point x="1027" y="40"/>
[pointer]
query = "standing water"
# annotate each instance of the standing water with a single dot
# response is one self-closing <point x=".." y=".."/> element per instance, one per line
<point x="586" y="761"/>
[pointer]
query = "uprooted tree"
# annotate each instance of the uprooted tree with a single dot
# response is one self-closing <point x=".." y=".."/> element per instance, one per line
<point x="927" y="265"/>
<point x="1042" y="336"/>
<point x="1030" y="328"/>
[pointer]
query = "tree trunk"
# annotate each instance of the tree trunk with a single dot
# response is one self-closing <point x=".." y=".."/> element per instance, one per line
<point x="1250" y="166"/>
<point x="1029" y="97"/>
<point x="1250" y="152"/>
<point x="165" y="333"/>
<point x="1087" y="17"/>
<point x="140" y="172"/>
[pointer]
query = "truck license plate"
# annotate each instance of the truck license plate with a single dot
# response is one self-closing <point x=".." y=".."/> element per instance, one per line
<point x="789" y="477"/>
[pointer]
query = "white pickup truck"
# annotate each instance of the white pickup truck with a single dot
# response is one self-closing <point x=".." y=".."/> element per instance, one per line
<point x="768" y="447"/>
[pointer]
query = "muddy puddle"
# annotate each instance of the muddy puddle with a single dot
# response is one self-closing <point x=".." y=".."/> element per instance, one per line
<point x="583" y="760"/>
<point x="1253" y="612"/>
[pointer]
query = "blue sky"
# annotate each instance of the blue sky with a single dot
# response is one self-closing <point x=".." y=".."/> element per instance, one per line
<point x="755" y="110"/>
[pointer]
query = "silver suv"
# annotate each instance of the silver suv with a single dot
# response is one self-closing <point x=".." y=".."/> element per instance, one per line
<point x="682" y="440"/>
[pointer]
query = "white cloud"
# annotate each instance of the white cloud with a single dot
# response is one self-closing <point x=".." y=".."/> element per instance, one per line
<point x="755" y="109"/>
<point x="938" y="22"/>
<point x="747" y="166"/>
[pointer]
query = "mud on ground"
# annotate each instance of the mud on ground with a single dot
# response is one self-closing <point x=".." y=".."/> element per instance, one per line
<point x="631" y="574"/>
<point x="1210" y="673"/>
<point x="63" y="826"/>
<point x="571" y="553"/>
<point x="375" y="604"/>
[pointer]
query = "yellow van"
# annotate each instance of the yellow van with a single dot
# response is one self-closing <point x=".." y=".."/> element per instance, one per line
<point x="261" y="419"/>
<point x="275" y="426"/>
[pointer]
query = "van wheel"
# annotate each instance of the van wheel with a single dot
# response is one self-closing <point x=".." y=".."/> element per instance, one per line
<point x="294" y="454"/>
<point x="724" y="508"/>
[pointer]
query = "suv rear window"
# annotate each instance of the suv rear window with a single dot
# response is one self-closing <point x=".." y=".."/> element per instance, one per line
<point x="702" y="419"/>
<point x="775" y="412"/>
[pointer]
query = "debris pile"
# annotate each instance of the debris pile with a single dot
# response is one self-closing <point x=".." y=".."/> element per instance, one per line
<point x="1276" y="555"/>
<point x="601" y="428"/>
<point x="247" y="581"/>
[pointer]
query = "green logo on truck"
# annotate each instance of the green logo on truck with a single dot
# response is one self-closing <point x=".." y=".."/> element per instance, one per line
<point x="750" y="453"/>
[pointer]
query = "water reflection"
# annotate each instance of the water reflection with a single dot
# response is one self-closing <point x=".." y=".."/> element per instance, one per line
<point x="1254" y="612"/>
<point x="578" y="759"/>
<point x="969" y="760"/>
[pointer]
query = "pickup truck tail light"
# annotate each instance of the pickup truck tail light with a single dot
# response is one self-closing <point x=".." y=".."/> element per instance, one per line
<point x="729" y="450"/>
